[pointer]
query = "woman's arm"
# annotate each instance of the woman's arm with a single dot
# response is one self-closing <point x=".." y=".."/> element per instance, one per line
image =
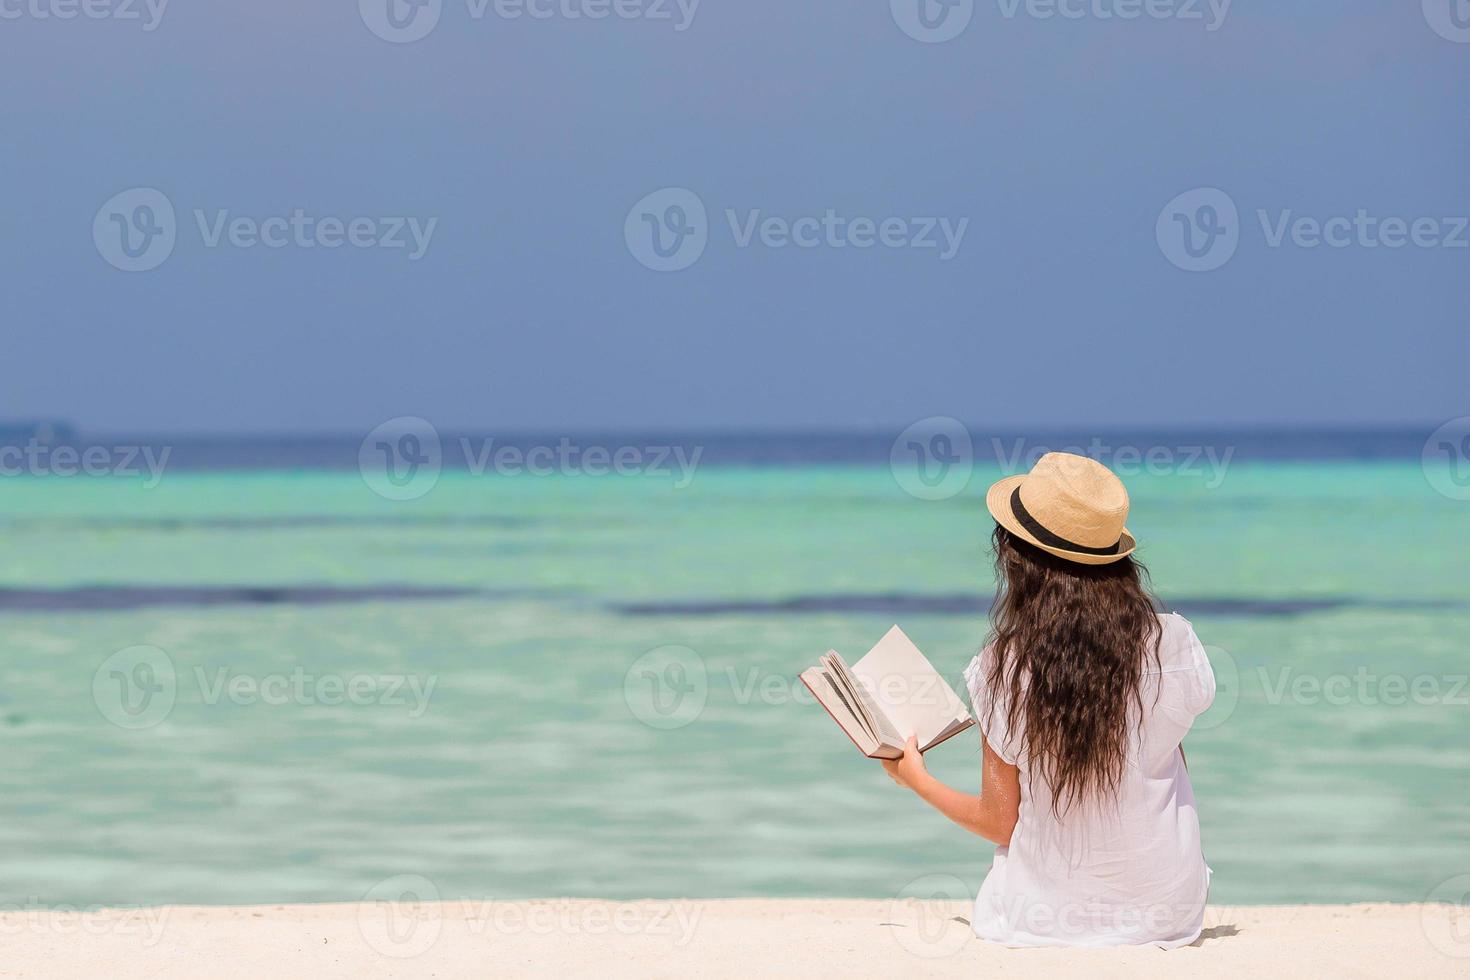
<point x="992" y="814"/>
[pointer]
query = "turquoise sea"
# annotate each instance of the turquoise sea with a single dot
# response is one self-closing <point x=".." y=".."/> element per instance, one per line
<point x="584" y="685"/>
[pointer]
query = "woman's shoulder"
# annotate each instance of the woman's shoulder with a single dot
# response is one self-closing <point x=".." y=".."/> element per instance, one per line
<point x="1179" y="645"/>
<point x="1175" y="625"/>
<point x="990" y="705"/>
<point x="977" y="669"/>
<point x="1184" y="669"/>
<point x="978" y="674"/>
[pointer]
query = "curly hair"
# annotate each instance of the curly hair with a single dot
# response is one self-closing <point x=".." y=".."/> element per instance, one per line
<point x="1069" y="643"/>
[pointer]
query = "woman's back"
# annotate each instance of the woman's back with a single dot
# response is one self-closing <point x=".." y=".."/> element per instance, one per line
<point x="1083" y="694"/>
<point x="1125" y="868"/>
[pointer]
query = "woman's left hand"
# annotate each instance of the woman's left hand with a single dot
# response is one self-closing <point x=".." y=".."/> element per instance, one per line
<point x="907" y="771"/>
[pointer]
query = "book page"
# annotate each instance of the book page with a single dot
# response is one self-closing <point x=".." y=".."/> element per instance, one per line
<point x="846" y="687"/>
<point x="909" y="691"/>
<point x="829" y="696"/>
<point x="884" y="727"/>
<point x="847" y="702"/>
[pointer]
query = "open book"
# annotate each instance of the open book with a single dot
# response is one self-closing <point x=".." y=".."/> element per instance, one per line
<point x="892" y="692"/>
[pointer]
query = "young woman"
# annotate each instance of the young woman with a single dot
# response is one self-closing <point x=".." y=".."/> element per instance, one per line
<point x="1083" y="694"/>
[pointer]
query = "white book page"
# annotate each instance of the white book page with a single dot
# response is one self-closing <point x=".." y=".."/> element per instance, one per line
<point x="884" y="729"/>
<point x="827" y="693"/>
<point x="909" y="691"/>
<point x="842" y="689"/>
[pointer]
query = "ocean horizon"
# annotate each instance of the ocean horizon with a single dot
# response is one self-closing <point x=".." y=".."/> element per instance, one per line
<point x="753" y="446"/>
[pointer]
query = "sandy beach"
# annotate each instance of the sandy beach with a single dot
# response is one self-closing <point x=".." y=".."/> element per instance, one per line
<point x="743" y="937"/>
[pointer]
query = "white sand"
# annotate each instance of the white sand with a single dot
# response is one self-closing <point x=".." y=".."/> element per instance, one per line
<point x="735" y="938"/>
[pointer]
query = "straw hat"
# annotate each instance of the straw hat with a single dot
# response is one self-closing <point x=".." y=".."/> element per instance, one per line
<point x="1070" y="506"/>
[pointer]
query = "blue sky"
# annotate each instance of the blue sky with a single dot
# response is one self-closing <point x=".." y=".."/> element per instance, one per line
<point x="1056" y="141"/>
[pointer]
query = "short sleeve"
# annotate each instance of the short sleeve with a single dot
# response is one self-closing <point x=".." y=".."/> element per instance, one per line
<point x="990" y="707"/>
<point x="1187" y="675"/>
<point x="1202" y="694"/>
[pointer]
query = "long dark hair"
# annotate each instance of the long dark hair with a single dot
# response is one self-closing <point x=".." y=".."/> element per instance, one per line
<point x="1069" y="645"/>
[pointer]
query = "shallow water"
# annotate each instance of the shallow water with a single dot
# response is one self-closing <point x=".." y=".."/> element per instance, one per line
<point x="513" y="755"/>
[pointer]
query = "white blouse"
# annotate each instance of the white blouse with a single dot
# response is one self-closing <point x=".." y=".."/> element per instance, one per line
<point x="1128" y="874"/>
